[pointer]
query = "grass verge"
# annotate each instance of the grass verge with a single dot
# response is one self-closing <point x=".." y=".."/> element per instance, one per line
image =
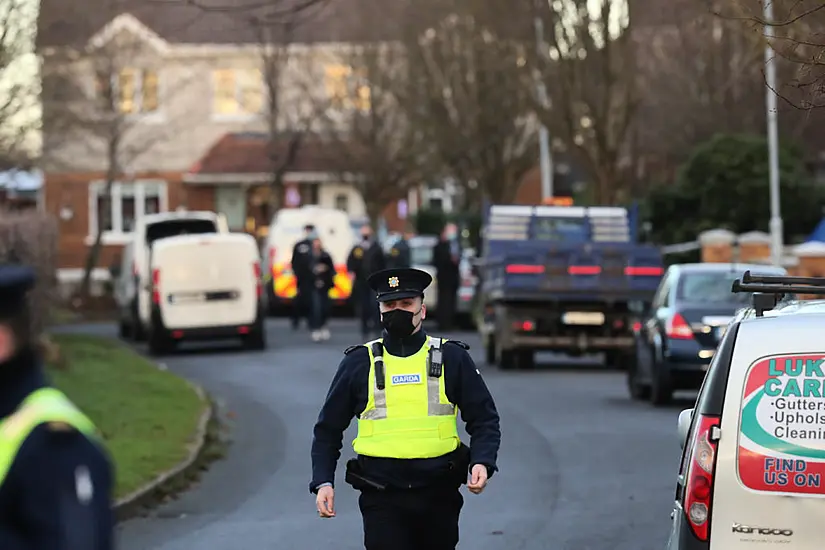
<point x="147" y="416"/>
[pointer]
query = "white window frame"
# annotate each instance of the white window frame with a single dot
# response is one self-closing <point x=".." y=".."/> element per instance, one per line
<point x="241" y="114"/>
<point x="154" y="116"/>
<point x="346" y="200"/>
<point x="117" y="235"/>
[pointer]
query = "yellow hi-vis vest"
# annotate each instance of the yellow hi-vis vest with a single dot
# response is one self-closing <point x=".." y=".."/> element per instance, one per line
<point x="40" y="407"/>
<point x="410" y="417"/>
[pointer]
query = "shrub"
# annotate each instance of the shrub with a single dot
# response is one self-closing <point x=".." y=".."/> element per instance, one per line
<point x="30" y="238"/>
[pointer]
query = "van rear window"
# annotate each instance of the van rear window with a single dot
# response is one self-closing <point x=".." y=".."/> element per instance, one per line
<point x="173" y="228"/>
<point x="782" y="425"/>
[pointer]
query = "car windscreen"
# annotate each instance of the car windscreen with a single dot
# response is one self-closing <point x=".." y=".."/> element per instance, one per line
<point x="560" y="229"/>
<point x="173" y="228"/>
<point x="710" y="287"/>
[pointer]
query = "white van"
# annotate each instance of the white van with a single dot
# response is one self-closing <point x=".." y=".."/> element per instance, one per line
<point x="286" y="229"/>
<point x="133" y="272"/>
<point x="206" y="287"/>
<point x="753" y="465"/>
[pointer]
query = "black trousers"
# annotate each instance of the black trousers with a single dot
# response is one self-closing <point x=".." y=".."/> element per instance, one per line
<point x="301" y="305"/>
<point x="411" y="519"/>
<point x="446" y="307"/>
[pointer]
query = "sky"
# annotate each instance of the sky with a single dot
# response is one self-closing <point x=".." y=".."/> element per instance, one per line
<point x="22" y="70"/>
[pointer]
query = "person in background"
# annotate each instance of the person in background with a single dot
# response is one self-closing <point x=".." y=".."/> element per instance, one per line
<point x="365" y="258"/>
<point x="446" y="260"/>
<point x="56" y="478"/>
<point x="400" y="251"/>
<point x="323" y="271"/>
<point x="304" y="280"/>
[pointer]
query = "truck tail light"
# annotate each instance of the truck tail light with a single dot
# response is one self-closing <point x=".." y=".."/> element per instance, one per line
<point x="524" y="269"/>
<point x="678" y="329"/>
<point x="701" y="466"/>
<point x="156" y="286"/>
<point x="643" y="271"/>
<point x="584" y="270"/>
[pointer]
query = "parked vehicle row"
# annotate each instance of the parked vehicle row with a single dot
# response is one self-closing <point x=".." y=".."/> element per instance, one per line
<point x="183" y="277"/>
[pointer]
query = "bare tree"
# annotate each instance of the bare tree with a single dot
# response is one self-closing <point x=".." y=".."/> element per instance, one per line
<point x="697" y="76"/>
<point x="798" y="39"/>
<point x="104" y="101"/>
<point x="589" y="68"/>
<point x="18" y="82"/>
<point x="291" y="110"/>
<point x="470" y="99"/>
<point x="270" y="12"/>
<point x="382" y="152"/>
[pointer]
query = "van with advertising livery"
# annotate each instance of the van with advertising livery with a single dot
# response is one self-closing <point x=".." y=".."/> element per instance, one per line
<point x="752" y="472"/>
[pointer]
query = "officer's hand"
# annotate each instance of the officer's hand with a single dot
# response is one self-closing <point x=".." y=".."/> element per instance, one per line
<point x="478" y="479"/>
<point x="325" y="502"/>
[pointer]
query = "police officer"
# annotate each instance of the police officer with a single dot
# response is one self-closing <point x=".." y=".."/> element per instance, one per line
<point x="365" y="258"/>
<point x="400" y="251"/>
<point x="55" y="477"/>
<point x="304" y="278"/>
<point x="401" y="384"/>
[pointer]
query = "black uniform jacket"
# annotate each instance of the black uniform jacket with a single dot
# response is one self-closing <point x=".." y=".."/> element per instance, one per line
<point x="57" y="494"/>
<point x="347" y="397"/>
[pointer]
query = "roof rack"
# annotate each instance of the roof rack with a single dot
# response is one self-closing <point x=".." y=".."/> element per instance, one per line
<point x="770" y="289"/>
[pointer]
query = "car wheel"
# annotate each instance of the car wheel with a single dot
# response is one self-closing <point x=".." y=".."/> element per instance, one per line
<point x="661" y="388"/>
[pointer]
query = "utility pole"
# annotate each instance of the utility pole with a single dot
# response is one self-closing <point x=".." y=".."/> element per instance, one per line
<point x="777" y="240"/>
<point x="545" y="157"/>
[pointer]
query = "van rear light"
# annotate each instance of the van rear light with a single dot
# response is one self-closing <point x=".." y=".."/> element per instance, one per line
<point x="256" y="269"/>
<point x="584" y="270"/>
<point x="272" y="251"/>
<point x="135" y="271"/>
<point x="643" y="271"/>
<point x="678" y="329"/>
<point x="523" y="269"/>
<point x="156" y="286"/>
<point x="699" y="487"/>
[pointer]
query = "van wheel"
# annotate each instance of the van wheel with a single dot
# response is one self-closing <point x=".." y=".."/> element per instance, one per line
<point x="137" y="332"/>
<point x="255" y="341"/>
<point x="123" y="329"/>
<point x="661" y="388"/>
<point x="159" y="343"/>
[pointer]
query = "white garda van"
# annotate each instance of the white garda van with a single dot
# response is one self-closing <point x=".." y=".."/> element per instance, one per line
<point x="286" y="229"/>
<point x="753" y="464"/>
<point x="132" y="278"/>
<point x="206" y="287"/>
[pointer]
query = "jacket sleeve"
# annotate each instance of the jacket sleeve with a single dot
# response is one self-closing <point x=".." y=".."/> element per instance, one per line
<point x="353" y="263"/>
<point x="478" y="409"/>
<point x="334" y="419"/>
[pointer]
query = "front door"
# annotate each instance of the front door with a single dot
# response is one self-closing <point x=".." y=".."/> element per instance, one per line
<point x="231" y="202"/>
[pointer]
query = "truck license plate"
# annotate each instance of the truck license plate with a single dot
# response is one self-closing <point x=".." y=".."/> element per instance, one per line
<point x="583" y="318"/>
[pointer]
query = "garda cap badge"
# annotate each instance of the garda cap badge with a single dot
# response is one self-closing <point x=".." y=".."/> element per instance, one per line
<point x="393" y="282"/>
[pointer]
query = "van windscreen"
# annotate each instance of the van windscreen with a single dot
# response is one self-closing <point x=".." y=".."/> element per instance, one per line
<point x="173" y="228"/>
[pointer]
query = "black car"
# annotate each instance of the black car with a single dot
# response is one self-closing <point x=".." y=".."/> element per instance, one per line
<point x="687" y="318"/>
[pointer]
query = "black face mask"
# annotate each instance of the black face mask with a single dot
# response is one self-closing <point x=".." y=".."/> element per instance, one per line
<point x="365" y="238"/>
<point x="399" y="322"/>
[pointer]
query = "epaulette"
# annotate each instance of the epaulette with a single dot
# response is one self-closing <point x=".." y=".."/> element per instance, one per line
<point x="351" y="349"/>
<point x="458" y="343"/>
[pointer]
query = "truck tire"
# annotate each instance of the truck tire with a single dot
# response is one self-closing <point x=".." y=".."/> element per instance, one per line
<point x="515" y="359"/>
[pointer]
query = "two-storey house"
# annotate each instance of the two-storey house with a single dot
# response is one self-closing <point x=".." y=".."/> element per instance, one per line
<point x="171" y="104"/>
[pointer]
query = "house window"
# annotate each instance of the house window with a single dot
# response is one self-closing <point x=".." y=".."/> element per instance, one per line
<point x="131" y="91"/>
<point x="347" y="88"/>
<point x="116" y="214"/>
<point x="436" y="204"/>
<point x="238" y="92"/>
<point x="342" y="202"/>
<point x="310" y="193"/>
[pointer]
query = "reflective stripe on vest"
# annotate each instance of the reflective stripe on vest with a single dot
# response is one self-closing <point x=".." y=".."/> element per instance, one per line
<point x="40" y="407"/>
<point x="395" y="422"/>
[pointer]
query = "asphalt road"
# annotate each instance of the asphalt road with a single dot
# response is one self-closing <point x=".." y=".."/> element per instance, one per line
<point x="582" y="467"/>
